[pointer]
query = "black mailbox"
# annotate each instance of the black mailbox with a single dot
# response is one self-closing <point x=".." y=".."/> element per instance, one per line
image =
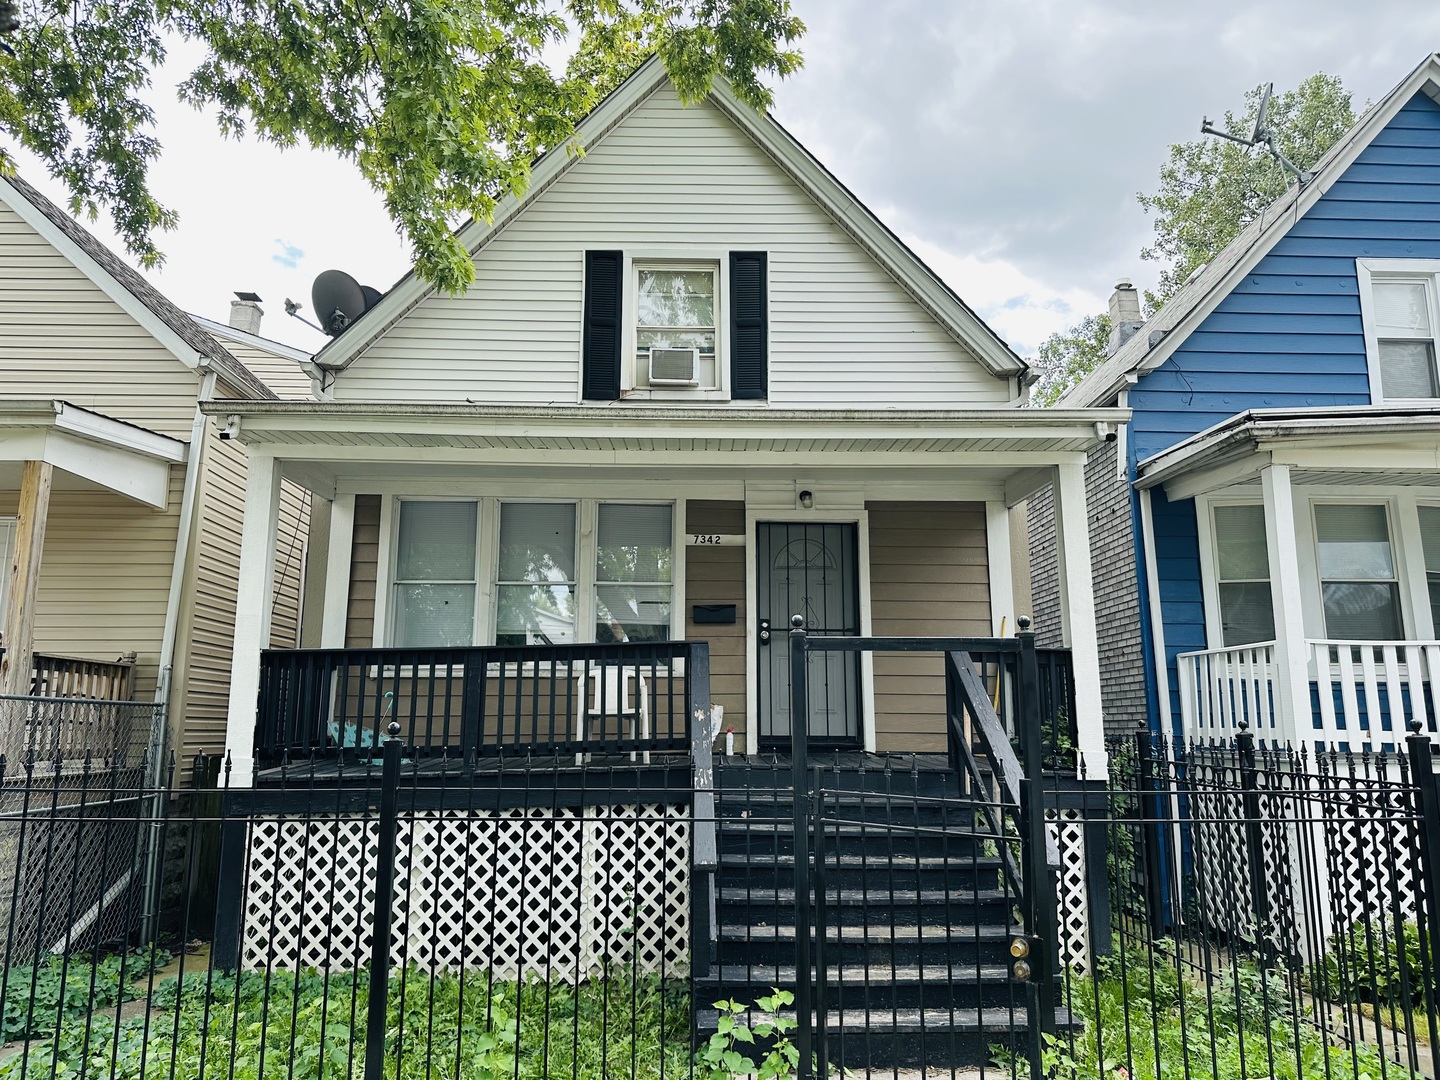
<point x="712" y="614"/>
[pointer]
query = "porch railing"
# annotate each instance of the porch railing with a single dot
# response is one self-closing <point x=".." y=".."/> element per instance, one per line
<point x="76" y="677"/>
<point x="1366" y="693"/>
<point x="1221" y="687"/>
<point x="478" y="702"/>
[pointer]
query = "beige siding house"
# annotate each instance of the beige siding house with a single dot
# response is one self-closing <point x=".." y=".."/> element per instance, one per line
<point x="119" y="504"/>
<point x="695" y="389"/>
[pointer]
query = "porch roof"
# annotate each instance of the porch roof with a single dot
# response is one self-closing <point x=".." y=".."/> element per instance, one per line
<point x="127" y="459"/>
<point x="1361" y="444"/>
<point x="335" y="431"/>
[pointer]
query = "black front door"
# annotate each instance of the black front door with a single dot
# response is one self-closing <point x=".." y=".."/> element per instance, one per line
<point x="809" y="570"/>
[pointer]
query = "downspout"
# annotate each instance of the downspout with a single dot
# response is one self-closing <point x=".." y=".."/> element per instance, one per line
<point x="159" y="736"/>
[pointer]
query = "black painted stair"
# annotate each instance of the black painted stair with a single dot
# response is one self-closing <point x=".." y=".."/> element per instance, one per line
<point x="917" y="914"/>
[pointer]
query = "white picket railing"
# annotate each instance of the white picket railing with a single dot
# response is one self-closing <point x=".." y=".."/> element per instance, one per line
<point x="1369" y="691"/>
<point x="1221" y="687"/>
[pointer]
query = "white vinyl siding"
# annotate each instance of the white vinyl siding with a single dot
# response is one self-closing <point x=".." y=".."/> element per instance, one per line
<point x="62" y="337"/>
<point x="284" y="376"/>
<point x="673" y="183"/>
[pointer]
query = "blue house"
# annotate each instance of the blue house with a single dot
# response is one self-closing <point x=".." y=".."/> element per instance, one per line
<point x="1265" y="530"/>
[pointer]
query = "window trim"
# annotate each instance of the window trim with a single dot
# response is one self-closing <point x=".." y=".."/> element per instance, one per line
<point x="1366" y="273"/>
<point x="682" y="259"/>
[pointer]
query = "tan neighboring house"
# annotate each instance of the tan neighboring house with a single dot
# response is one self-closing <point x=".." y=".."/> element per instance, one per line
<point x="120" y="502"/>
<point x="695" y="388"/>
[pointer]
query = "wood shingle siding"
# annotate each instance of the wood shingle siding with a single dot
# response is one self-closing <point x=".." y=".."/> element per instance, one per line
<point x="716" y="575"/>
<point x="928" y="576"/>
<point x="686" y="181"/>
<point x="62" y="337"/>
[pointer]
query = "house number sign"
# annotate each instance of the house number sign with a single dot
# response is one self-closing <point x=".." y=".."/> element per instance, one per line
<point x="716" y="539"/>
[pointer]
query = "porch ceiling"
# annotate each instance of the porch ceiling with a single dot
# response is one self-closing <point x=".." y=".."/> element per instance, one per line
<point x="89" y="448"/>
<point x="1363" y="445"/>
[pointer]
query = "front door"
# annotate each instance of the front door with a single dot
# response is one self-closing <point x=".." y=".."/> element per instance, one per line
<point x="809" y="570"/>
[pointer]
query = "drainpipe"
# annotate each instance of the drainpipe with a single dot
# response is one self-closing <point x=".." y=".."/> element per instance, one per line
<point x="159" y="736"/>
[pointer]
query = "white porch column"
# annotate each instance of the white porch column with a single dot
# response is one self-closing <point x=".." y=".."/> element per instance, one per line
<point x="337" y="572"/>
<point x="1002" y="576"/>
<point x="1077" y="606"/>
<point x="1292" y="666"/>
<point x="253" y="605"/>
<point x="24" y="573"/>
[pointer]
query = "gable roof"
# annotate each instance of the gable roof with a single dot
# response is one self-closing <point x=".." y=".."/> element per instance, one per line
<point x="852" y="216"/>
<point x="175" y="330"/>
<point x="1200" y="296"/>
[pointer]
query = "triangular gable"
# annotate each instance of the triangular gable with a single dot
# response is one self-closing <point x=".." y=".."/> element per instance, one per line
<point x="169" y="326"/>
<point x="1168" y="329"/>
<point x="917" y="279"/>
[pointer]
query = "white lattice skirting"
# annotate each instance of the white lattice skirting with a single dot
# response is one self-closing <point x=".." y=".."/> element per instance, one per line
<point x="562" y="894"/>
<point x="1067" y="829"/>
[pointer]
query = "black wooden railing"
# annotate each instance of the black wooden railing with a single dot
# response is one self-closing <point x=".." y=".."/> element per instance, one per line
<point x="629" y="698"/>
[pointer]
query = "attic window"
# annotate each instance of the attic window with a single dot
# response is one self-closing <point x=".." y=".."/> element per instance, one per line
<point x="675" y="326"/>
<point x="1398" y="299"/>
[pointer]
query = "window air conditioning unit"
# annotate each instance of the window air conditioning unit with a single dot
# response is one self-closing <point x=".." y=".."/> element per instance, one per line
<point x="674" y="367"/>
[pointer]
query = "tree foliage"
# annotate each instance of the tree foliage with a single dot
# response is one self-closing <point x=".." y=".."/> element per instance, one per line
<point x="1212" y="188"/>
<point x="443" y="105"/>
<point x="1068" y="356"/>
<point x="1209" y="190"/>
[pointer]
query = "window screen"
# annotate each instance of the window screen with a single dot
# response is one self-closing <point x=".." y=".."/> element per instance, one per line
<point x="1357" y="572"/>
<point x="675" y="309"/>
<point x="1243" y="572"/>
<point x="633" y="558"/>
<point x="535" y="587"/>
<point x="435" y="574"/>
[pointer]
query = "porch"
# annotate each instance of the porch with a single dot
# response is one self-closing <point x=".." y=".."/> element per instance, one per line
<point x="545" y="546"/>
<point x="1315" y="587"/>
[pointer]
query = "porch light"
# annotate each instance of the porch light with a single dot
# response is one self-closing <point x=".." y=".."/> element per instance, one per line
<point x="807" y="500"/>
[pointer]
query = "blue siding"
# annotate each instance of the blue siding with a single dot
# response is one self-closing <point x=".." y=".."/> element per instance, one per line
<point x="1289" y="336"/>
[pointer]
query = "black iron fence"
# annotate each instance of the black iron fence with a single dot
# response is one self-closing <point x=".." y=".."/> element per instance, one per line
<point x="1208" y="911"/>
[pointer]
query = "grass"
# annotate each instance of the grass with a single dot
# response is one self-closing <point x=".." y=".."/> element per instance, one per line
<point x="281" y="1025"/>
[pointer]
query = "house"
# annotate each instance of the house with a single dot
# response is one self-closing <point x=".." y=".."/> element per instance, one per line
<point x="120" y="502"/>
<point x="695" y="389"/>
<point x="1265" y="532"/>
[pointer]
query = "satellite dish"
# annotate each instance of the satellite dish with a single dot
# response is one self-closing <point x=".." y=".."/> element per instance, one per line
<point x="1262" y="130"/>
<point x="338" y="300"/>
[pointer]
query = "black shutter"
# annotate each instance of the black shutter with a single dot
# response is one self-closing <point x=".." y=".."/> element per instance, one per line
<point x="600" y="375"/>
<point x="749" y="326"/>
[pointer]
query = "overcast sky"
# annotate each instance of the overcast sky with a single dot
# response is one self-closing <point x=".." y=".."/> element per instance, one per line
<point x="1004" y="141"/>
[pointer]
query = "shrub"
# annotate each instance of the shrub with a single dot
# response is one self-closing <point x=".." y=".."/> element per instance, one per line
<point x="1365" y="963"/>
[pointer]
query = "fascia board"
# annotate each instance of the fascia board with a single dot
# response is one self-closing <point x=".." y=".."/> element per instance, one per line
<point x="276" y="348"/>
<point x="85" y="424"/>
<point x="1110" y="377"/>
<point x="101" y="277"/>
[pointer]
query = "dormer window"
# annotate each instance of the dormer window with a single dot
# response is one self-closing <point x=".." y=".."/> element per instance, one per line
<point x="1398" y="306"/>
<point x="675" y="326"/>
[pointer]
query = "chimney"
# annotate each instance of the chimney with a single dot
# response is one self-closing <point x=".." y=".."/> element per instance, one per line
<point x="1125" y="316"/>
<point x="245" y="312"/>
